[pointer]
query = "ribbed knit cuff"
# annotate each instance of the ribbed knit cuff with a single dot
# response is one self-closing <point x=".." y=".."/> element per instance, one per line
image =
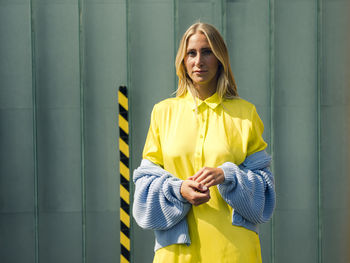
<point x="176" y="187"/>
<point x="229" y="172"/>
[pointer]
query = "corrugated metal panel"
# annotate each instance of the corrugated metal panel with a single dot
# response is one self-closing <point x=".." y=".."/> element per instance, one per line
<point x="296" y="131"/>
<point x="335" y="131"/>
<point x="16" y="135"/>
<point x="105" y="69"/>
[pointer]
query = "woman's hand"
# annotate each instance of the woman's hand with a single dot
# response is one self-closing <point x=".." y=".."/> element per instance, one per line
<point x="209" y="176"/>
<point x="194" y="192"/>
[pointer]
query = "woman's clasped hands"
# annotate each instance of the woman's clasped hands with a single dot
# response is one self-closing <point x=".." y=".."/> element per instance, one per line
<point x="195" y="189"/>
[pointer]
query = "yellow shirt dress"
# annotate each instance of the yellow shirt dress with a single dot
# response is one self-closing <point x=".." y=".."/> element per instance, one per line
<point x="187" y="134"/>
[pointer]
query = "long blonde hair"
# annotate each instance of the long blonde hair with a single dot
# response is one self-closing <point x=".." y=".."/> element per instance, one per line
<point x="226" y="85"/>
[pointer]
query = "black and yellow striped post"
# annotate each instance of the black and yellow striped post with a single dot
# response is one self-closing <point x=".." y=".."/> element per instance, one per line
<point x="124" y="175"/>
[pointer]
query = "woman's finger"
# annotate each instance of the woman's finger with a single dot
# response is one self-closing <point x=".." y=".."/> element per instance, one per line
<point x="198" y="174"/>
<point x="194" y="192"/>
<point x="209" y="176"/>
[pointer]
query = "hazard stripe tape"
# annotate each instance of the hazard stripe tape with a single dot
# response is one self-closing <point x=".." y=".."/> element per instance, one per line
<point x="124" y="189"/>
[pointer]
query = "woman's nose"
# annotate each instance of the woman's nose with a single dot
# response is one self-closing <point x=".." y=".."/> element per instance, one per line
<point x="199" y="59"/>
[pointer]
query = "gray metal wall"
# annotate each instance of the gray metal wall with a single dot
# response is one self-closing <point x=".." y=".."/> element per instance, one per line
<point x="61" y="62"/>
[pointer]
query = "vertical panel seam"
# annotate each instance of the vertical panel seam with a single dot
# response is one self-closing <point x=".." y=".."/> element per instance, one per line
<point x="35" y="134"/>
<point x="176" y="33"/>
<point x="223" y="18"/>
<point x="272" y="100"/>
<point x="82" y="131"/>
<point x="319" y="17"/>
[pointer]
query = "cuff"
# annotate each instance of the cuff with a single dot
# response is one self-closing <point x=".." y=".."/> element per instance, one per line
<point x="229" y="172"/>
<point x="176" y="187"/>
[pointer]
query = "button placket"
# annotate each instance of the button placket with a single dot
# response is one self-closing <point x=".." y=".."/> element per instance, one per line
<point x="200" y="139"/>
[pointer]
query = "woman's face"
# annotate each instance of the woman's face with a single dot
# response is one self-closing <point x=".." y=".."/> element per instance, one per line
<point x="200" y="62"/>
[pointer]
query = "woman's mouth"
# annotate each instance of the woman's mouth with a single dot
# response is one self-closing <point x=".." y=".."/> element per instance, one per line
<point x="199" y="71"/>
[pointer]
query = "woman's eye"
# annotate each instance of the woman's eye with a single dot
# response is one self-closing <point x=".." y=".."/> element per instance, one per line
<point x="207" y="52"/>
<point x="191" y="53"/>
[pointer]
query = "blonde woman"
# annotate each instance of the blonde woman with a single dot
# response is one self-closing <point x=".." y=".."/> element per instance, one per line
<point x="204" y="183"/>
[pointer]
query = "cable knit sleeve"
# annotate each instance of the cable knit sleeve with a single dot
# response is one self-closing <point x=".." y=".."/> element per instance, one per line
<point x="249" y="189"/>
<point x="158" y="203"/>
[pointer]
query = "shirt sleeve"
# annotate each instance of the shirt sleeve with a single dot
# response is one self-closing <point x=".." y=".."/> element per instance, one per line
<point x="256" y="142"/>
<point x="152" y="150"/>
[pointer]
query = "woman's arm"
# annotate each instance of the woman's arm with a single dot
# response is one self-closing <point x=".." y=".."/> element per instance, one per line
<point x="249" y="188"/>
<point x="158" y="203"/>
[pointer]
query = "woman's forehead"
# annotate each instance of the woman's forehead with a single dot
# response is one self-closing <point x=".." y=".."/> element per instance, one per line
<point x="197" y="40"/>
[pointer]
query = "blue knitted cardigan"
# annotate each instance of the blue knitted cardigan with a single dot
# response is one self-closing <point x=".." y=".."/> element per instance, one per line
<point x="158" y="204"/>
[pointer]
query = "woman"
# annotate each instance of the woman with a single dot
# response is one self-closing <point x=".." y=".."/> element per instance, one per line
<point x="204" y="185"/>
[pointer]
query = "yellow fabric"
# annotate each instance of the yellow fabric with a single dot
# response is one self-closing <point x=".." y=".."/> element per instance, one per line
<point x="183" y="138"/>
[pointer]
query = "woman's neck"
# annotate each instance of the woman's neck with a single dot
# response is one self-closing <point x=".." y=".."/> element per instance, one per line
<point x="205" y="91"/>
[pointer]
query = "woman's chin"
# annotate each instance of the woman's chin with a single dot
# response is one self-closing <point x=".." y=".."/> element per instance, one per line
<point x="200" y="81"/>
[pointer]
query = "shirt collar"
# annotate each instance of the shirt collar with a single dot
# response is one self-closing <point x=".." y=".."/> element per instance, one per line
<point x="213" y="101"/>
